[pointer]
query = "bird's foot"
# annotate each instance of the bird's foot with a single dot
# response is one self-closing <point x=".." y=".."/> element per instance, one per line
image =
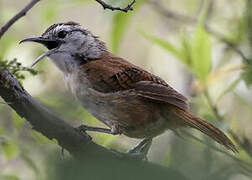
<point x="83" y="132"/>
<point x="141" y="150"/>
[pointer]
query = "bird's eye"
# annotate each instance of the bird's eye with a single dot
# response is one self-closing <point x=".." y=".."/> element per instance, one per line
<point x="62" y="34"/>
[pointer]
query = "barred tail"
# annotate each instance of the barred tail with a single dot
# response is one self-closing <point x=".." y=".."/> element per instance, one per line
<point x="216" y="134"/>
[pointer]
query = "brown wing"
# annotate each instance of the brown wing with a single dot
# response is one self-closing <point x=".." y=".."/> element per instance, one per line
<point x="116" y="74"/>
<point x="150" y="87"/>
<point x="160" y="93"/>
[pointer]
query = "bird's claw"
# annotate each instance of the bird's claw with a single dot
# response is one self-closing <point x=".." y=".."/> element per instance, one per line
<point x="82" y="129"/>
<point x="141" y="150"/>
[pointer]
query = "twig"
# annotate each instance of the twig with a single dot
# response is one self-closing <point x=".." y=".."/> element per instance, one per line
<point x="17" y="16"/>
<point x="108" y="6"/>
<point x="231" y="45"/>
<point x="191" y="20"/>
<point x="212" y="105"/>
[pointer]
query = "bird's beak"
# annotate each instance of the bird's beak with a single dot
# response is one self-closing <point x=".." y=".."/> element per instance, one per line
<point x="51" y="44"/>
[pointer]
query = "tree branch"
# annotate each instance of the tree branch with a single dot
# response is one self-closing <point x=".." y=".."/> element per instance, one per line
<point x="44" y="121"/>
<point x="17" y="16"/>
<point x="108" y="6"/>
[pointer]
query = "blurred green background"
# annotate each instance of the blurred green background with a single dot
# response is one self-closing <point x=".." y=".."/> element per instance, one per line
<point x="203" y="48"/>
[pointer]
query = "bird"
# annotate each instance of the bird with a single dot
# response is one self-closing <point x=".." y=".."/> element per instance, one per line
<point x="126" y="98"/>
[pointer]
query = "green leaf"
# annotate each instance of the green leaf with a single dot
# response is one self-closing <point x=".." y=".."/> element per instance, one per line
<point x="17" y="120"/>
<point x="201" y="49"/>
<point x="247" y="75"/>
<point x="40" y="138"/>
<point x="201" y="54"/>
<point x="186" y="48"/>
<point x="9" y="177"/>
<point x="167" y="46"/>
<point x="105" y="140"/>
<point x="2" y="130"/>
<point x="83" y="1"/>
<point x="10" y="149"/>
<point x="6" y="43"/>
<point x="119" y="23"/>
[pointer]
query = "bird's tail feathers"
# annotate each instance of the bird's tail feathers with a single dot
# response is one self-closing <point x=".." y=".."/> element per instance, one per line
<point x="191" y="120"/>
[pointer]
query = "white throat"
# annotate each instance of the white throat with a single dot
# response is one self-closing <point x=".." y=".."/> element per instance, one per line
<point x="65" y="62"/>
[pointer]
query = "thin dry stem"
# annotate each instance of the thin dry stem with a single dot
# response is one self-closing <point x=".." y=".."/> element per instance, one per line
<point x="17" y="16"/>
<point x="108" y="6"/>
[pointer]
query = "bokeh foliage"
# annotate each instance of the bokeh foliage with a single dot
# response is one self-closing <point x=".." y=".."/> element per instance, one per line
<point x="205" y="38"/>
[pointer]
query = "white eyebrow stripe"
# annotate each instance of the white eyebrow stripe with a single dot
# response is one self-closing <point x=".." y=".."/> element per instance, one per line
<point x="68" y="28"/>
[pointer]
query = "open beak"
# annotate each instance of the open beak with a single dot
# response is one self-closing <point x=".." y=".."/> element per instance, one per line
<point x="51" y="44"/>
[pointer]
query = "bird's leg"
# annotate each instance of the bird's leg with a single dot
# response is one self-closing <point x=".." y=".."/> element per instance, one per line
<point x="113" y="130"/>
<point x="141" y="150"/>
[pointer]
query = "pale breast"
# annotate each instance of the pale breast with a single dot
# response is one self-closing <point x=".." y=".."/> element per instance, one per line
<point x="81" y="88"/>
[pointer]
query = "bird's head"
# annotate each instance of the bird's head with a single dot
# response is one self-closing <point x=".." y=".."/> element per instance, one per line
<point x="69" y="42"/>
